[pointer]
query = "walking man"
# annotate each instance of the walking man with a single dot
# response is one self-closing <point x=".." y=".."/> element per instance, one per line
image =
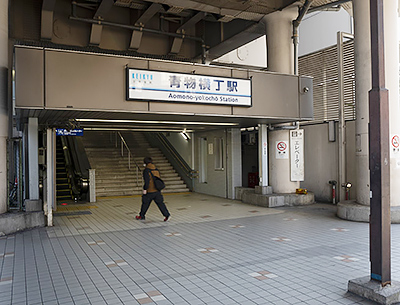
<point x="150" y="192"/>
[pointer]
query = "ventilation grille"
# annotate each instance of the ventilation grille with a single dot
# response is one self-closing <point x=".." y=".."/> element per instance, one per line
<point x="323" y="67"/>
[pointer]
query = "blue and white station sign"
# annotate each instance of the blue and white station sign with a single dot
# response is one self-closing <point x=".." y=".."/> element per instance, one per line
<point x="187" y="88"/>
<point x="65" y="132"/>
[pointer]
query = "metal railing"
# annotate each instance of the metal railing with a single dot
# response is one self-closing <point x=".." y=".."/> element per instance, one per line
<point x="180" y="165"/>
<point x="123" y="145"/>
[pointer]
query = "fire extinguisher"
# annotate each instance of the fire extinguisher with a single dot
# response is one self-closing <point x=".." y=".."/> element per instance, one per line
<point x="333" y="183"/>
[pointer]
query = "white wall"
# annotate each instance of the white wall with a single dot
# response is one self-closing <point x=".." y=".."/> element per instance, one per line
<point x="252" y="54"/>
<point x="182" y="146"/>
<point x="319" y="30"/>
<point x="321" y="160"/>
<point x="216" y="181"/>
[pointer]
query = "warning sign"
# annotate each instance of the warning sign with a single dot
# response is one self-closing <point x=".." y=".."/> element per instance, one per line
<point x="395" y="144"/>
<point x="282" y="150"/>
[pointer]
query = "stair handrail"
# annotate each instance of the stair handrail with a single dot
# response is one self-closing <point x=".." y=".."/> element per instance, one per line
<point x="188" y="170"/>
<point x="168" y="149"/>
<point x="138" y="169"/>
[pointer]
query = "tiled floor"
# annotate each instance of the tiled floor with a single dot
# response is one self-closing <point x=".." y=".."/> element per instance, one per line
<point x="99" y="254"/>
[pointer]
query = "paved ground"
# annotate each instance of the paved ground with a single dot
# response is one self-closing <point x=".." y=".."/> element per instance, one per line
<point x="212" y="251"/>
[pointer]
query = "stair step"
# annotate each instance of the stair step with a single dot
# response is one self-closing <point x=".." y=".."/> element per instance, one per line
<point x="113" y="178"/>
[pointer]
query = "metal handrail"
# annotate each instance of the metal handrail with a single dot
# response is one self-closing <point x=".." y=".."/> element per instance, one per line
<point x="123" y="143"/>
<point x="187" y="169"/>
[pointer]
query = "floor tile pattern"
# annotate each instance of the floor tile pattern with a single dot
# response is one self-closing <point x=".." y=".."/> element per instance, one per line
<point x="107" y="257"/>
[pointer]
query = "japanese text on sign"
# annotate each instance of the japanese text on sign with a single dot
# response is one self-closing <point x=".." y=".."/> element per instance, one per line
<point x="175" y="87"/>
<point x="297" y="155"/>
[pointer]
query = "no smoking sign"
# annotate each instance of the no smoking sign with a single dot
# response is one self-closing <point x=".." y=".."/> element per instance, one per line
<point x="281" y="150"/>
<point x="395" y="144"/>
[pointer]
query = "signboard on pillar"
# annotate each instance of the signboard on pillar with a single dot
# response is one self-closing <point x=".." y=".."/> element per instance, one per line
<point x="281" y="150"/>
<point x="395" y="144"/>
<point x="297" y="155"/>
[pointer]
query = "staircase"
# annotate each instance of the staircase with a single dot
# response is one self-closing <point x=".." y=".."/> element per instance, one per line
<point x="63" y="186"/>
<point x="113" y="177"/>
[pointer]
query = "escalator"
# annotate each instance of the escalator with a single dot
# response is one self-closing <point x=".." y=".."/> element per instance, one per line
<point x="72" y="170"/>
<point x="63" y="184"/>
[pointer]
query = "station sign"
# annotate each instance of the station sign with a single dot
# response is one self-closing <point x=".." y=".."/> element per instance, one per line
<point x="297" y="155"/>
<point x="65" y="132"/>
<point x="187" y="88"/>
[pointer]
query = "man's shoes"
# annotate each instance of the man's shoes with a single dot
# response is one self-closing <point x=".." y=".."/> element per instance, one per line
<point x="166" y="218"/>
<point x="138" y="217"/>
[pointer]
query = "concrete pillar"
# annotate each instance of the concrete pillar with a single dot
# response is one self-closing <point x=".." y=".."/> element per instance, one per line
<point x="280" y="59"/>
<point x="50" y="197"/>
<point x="279" y="32"/>
<point x="392" y="84"/>
<point x="3" y="103"/>
<point x="362" y="61"/>
<point x="234" y="167"/>
<point x="33" y="158"/>
<point x="279" y="165"/>
<point x="263" y="154"/>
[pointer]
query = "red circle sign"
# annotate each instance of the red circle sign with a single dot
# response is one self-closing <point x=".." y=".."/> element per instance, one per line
<point x="281" y="146"/>
<point x="395" y="141"/>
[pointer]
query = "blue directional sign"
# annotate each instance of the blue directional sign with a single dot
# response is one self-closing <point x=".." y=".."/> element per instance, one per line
<point x="65" y="132"/>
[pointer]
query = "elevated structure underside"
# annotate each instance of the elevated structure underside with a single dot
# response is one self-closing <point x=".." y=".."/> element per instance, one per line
<point x="196" y="30"/>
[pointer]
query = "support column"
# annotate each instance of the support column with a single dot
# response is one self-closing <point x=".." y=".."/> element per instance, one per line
<point x="3" y="103"/>
<point x="234" y="169"/>
<point x="280" y="59"/>
<point x="279" y="40"/>
<point x="263" y="154"/>
<point x="33" y="157"/>
<point x="50" y="198"/>
<point x="392" y="84"/>
<point x="279" y="169"/>
<point x="362" y="61"/>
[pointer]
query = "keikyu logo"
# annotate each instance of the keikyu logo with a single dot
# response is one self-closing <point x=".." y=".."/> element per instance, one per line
<point x="142" y="77"/>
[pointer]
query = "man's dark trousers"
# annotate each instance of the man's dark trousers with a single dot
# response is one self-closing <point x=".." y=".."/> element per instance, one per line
<point x="158" y="199"/>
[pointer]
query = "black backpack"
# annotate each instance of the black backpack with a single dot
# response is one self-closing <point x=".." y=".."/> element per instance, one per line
<point x="158" y="182"/>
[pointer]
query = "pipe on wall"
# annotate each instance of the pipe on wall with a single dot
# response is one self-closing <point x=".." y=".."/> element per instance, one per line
<point x="295" y="37"/>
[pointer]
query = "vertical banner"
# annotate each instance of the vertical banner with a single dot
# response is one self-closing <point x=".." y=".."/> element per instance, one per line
<point x="297" y="155"/>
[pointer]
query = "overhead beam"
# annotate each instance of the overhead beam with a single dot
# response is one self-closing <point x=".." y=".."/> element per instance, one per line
<point x="103" y="9"/>
<point x="251" y="33"/>
<point x="177" y="43"/>
<point x="153" y="9"/>
<point x="136" y="37"/>
<point x="47" y="19"/>
<point x="191" y="22"/>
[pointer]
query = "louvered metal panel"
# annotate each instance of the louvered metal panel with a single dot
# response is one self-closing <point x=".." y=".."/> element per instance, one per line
<point x="323" y="67"/>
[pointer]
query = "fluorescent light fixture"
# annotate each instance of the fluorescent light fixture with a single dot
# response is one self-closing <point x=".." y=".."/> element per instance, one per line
<point x="185" y="135"/>
<point x="156" y="122"/>
<point x="135" y="129"/>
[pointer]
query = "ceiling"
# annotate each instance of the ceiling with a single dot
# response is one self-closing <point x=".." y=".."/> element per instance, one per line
<point x="49" y="118"/>
<point x="243" y="19"/>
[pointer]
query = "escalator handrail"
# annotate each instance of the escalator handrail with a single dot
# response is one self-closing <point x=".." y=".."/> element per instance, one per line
<point x="75" y="176"/>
